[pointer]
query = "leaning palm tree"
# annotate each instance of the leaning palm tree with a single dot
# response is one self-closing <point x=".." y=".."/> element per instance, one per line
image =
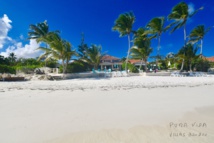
<point x="156" y="28"/>
<point x="59" y="49"/>
<point x="93" y="56"/>
<point x="180" y="14"/>
<point x="142" y="48"/>
<point x="197" y="34"/>
<point x="39" y="32"/>
<point x="123" y="25"/>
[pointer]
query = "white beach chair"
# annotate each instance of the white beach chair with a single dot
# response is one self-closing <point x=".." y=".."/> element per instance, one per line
<point x="124" y="73"/>
<point x="107" y="74"/>
<point x="119" y="74"/>
<point x="114" y="74"/>
<point x="175" y="74"/>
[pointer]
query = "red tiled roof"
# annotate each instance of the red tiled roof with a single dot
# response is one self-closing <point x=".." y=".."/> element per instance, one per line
<point x="210" y="59"/>
<point x="108" y="57"/>
<point x="132" y="61"/>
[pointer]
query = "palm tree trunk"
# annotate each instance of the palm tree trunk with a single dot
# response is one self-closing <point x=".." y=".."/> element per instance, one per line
<point x="63" y="65"/>
<point x="182" y="66"/>
<point x="158" y="52"/>
<point x="45" y="56"/>
<point x="145" y="65"/>
<point x="127" y="58"/>
<point x="141" y="64"/>
<point x="201" y="47"/>
<point x="185" y="35"/>
<point x="190" y="66"/>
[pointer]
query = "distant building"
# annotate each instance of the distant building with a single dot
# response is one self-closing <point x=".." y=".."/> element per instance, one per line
<point x="136" y="62"/>
<point x="210" y="59"/>
<point x="114" y="63"/>
<point x="110" y="62"/>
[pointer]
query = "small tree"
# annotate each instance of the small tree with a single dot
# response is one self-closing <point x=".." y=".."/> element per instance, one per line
<point x="93" y="56"/>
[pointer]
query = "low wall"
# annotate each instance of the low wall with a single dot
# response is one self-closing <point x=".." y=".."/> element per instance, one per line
<point x="83" y="75"/>
<point x="159" y="74"/>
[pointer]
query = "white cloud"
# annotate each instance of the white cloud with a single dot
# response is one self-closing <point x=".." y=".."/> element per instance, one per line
<point x="5" y="26"/>
<point x="21" y="37"/>
<point x="20" y="50"/>
<point x="26" y="51"/>
<point x="191" y="8"/>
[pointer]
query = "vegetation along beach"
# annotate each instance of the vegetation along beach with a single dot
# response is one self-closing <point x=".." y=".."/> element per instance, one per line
<point x="116" y="71"/>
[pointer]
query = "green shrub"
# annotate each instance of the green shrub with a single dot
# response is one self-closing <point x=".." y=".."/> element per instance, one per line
<point x="163" y="64"/>
<point x="27" y="69"/>
<point x="202" y="65"/>
<point x="131" y="67"/>
<point x="7" y="69"/>
<point x="76" y="67"/>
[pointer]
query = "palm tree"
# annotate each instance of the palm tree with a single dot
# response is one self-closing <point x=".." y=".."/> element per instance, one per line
<point x="190" y="54"/>
<point x="39" y="31"/>
<point x="59" y="49"/>
<point x="156" y="28"/>
<point x="180" y="15"/>
<point x="93" y="56"/>
<point x="123" y="25"/>
<point x="82" y="48"/>
<point x="12" y="58"/>
<point x="197" y="34"/>
<point x="142" y="48"/>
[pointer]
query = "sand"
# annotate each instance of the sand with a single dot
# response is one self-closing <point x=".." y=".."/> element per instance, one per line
<point x="113" y="110"/>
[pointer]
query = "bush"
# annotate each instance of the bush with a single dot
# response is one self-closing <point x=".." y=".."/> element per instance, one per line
<point x="7" y="69"/>
<point x="27" y="69"/>
<point x="163" y="64"/>
<point x="131" y="67"/>
<point x="76" y="67"/>
<point x="202" y="65"/>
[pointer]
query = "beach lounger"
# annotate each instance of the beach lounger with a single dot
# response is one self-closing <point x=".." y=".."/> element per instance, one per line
<point x="107" y="74"/>
<point x="118" y="74"/>
<point x="124" y="73"/>
<point x="114" y="74"/>
<point x="175" y="74"/>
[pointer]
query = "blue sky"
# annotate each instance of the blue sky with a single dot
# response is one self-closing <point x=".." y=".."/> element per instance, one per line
<point x="95" y="18"/>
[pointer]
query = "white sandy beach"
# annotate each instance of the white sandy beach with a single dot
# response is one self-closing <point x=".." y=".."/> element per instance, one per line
<point x="113" y="110"/>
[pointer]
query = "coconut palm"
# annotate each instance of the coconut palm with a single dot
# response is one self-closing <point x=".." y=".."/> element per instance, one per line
<point x="59" y="49"/>
<point x="142" y="48"/>
<point x="38" y="31"/>
<point x="93" y="55"/>
<point x="197" y="34"/>
<point x="12" y="58"/>
<point x="180" y="14"/>
<point x="190" y="54"/>
<point x="123" y="25"/>
<point x="156" y="28"/>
